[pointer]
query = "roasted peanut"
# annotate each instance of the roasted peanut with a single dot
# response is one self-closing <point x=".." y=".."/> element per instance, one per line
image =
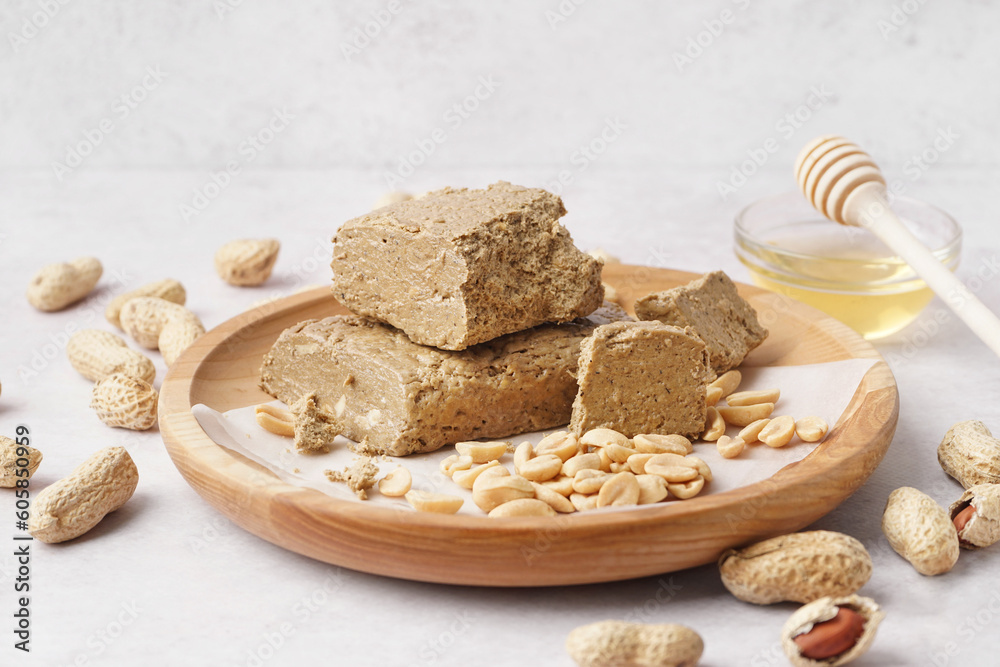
<point x="920" y="530"/>
<point x="553" y="498"/>
<point x="730" y="448"/>
<point x="562" y="444"/>
<point x="652" y="489"/>
<point x="637" y="462"/>
<point x="522" y="507"/>
<point x="75" y="504"/>
<point x="662" y="444"/>
<point x="753" y="397"/>
<point x="589" y="481"/>
<point x="438" y="503"/>
<point x="451" y="464"/>
<point x="611" y="643"/>
<point x="800" y="567"/>
<point x="601" y="437"/>
<point x="579" y="462"/>
<point x="686" y="490"/>
<point x="96" y="354"/>
<point x="541" y="468"/>
<point x="396" y="483"/>
<point x="481" y="452"/>
<point x="276" y="420"/>
<point x="727" y="382"/>
<point x="970" y="454"/>
<point x="124" y="401"/>
<point x="811" y="429"/>
<point x="619" y="490"/>
<point x="715" y="425"/>
<point x="467" y="478"/>
<point x="492" y="491"/>
<point x="713" y="395"/>
<point x="562" y="485"/>
<point x="778" y="432"/>
<point x="830" y="631"/>
<point x="59" y="285"/>
<point x="744" y="415"/>
<point x="751" y="432"/>
<point x="14" y="459"/>
<point x="583" y="502"/>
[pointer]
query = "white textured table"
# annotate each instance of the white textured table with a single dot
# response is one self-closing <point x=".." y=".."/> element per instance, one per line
<point x="167" y="580"/>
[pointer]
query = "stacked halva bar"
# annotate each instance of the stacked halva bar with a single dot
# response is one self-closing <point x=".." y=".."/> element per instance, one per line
<point x="471" y="308"/>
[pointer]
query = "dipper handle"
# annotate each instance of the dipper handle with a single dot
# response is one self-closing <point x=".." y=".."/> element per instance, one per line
<point x="843" y="183"/>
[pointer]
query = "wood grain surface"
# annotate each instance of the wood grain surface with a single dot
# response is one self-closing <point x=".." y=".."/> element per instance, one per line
<point x="221" y="371"/>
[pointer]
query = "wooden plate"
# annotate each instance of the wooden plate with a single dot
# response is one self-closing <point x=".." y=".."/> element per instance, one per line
<point x="221" y="370"/>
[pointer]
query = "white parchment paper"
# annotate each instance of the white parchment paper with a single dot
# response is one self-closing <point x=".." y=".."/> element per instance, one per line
<point x="815" y="389"/>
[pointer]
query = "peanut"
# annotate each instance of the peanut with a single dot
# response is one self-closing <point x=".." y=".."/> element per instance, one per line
<point x="541" y="468"/>
<point x="124" y="401"/>
<point x="579" y="462"/>
<point x="686" y="490"/>
<point x="276" y="420"/>
<point x="492" y="491"/>
<point x="920" y="530"/>
<point x="562" y="444"/>
<point x="831" y="631"/>
<point x="713" y="395"/>
<point x="59" y="285"/>
<point x="396" y="483"/>
<point x="753" y="397"/>
<point x="438" y="503"/>
<point x="583" y="502"/>
<point x="97" y="354"/>
<point x="589" y="481"/>
<point x="522" y="507"/>
<point x="602" y="437"/>
<point x="247" y="262"/>
<point x="637" y="462"/>
<point x="652" y="489"/>
<point x="811" y="429"/>
<point x="662" y="444"/>
<point x="168" y="290"/>
<point x="778" y="432"/>
<point x="14" y="459"/>
<point x="619" y="490"/>
<point x="623" y="644"/>
<point x="730" y="448"/>
<point x="672" y="468"/>
<point x="156" y="323"/>
<point x="452" y="464"/>
<point x="553" y="498"/>
<point x="75" y="504"/>
<point x="976" y="516"/>
<point x="562" y="485"/>
<point x="751" y="432"/>
<point x="744" y="415"/>
<point x="467" y="478"/>
<point x="970" y="454"/>
<point x="481" y="452"/>
<point x="523" y="454"/>
<point x="800" y="567"/>
<point x="727" y="382"/>
<point x="715" y="425"/>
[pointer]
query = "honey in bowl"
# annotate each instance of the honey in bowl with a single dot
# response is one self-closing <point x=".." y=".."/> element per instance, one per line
<point x="844" y="271"/>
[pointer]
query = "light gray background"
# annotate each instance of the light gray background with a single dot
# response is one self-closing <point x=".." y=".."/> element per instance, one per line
<point x="167" y="173"/>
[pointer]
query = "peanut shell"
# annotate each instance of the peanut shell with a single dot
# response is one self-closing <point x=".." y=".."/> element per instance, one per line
<point x="800" y="567"/>
<point x="983" y="529"/>
<point x="123" y="401"/>
<point x="168" y="290"/>
<point x="824" y="609"/>
<point x="920" y="530"/>
<point x="9" y="462"/>
<point x="621" y="644"/>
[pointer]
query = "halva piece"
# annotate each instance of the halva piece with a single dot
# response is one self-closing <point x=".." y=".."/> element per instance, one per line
<point x="718" y="314"/>
<point x="459" y="267"/>
<point x="407" y="398"/>
<point x="642" y="377"/>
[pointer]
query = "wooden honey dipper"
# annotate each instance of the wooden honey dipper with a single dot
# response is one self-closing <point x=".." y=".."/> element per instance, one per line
<point x="843" y="183"/>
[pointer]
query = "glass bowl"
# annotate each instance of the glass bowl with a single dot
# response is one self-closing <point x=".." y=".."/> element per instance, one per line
<point x="845" y="271"/>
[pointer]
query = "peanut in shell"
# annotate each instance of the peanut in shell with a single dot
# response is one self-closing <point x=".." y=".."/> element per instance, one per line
<point x="825" y="609"/>
<point x="920" y="530"/>
<point x="969" y="453"/>
<point x="982" y="528"/>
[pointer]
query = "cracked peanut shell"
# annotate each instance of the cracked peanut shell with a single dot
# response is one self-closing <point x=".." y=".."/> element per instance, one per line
<point x="9" y="462"/>
<point x="983" y="528"/>
<point x="799" y="567"/>
<point x="825" y="609"/>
